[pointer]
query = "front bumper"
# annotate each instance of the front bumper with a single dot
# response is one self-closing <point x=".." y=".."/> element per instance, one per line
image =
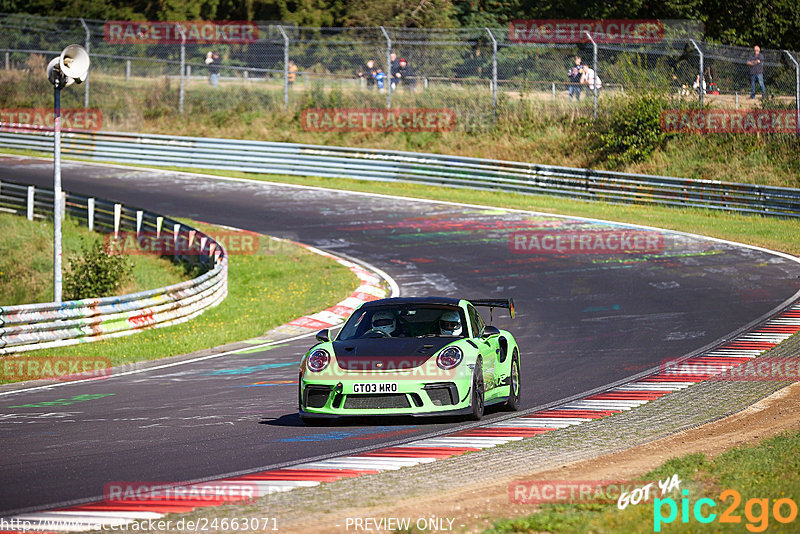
<point x="337" y="398"/>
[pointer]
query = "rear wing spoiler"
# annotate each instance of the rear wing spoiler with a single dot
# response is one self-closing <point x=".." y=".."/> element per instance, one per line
<point x="496" y="303"/>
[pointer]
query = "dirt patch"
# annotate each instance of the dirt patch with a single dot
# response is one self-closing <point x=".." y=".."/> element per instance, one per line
<point x="472" y="508"/>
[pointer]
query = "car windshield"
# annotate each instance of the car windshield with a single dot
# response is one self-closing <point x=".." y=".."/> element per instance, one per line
<point x="406" y="320"/>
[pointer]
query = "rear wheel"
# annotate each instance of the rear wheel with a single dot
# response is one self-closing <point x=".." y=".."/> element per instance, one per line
<point x="512" y="402"/>
<point x="477" y="398"/>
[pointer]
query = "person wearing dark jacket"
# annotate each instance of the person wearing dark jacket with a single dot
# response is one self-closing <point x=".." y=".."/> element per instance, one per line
<point x="368" y="74"/>
<point x="574" y="75"/>
<point x="214" y="61"/>
<point x="756" y="64"/>
<point x="404" y="75"/>
<point x="394" y="65"/>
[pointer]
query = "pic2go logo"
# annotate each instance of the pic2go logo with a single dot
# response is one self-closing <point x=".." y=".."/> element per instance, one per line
<point x="756" y="511"/>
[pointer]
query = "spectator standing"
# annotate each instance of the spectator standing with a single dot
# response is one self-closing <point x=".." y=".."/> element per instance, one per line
<point x="394" y="66"/>
<point x="404" y="75"/>
<point x="696" y="85"/>
<point x="574" y="74"/>
<point x="292" y="76"/>
<point x="711" y="76"/>
<point x="589" y="78"/>
<point x="368" y="73"/>
<point x="214" y="62"/>
<point x="756" y="64"/>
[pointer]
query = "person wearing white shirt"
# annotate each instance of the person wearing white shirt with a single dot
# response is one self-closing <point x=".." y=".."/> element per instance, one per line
<point x="588" y="77"/>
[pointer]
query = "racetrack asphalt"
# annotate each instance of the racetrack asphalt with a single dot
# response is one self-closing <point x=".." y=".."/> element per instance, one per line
<point x="583" y="320"/>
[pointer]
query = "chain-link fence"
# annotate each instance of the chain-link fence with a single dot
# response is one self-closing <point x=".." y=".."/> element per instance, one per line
<point x="474" y="72"/>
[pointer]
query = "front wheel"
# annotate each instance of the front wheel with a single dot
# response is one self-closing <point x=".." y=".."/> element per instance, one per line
<point x="512" y="402"/>
<point x="477" y="397"/>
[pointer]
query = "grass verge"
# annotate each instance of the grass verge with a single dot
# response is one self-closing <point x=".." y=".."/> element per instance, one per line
<point x="267" y="289"/>
<point x="761" y="475"/>
<point x="28" y="278"/>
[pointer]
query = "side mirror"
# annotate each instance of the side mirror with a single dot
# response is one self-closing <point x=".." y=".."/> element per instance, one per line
<point x="324" y="335"/>
<point x="489" y="331"/>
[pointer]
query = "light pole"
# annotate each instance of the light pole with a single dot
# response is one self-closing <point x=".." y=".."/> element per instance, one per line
<point x="72" y="66"/>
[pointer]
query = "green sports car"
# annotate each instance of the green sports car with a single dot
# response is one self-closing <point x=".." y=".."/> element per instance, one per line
<point x="411" y="356"/>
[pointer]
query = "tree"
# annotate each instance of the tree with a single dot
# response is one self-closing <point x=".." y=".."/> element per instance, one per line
<point x="401" y="13"/>
<point x="317" y="13"/>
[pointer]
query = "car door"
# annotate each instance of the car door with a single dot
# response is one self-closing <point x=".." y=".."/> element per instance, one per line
<point x="489" y="349"/>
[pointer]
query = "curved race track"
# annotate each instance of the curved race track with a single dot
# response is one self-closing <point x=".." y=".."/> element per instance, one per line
<point x="584" y="320"/>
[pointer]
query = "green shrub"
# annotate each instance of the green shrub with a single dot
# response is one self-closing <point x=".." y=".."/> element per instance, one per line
<point x="96" y="273"/>
<point x="631" y="132"/>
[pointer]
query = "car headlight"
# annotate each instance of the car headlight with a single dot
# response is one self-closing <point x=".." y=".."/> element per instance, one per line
<point x="318" y="360"/>
<point x="449" y="358"/>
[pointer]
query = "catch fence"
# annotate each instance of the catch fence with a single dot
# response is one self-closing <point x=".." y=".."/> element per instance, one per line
<point x="473" y="71"/>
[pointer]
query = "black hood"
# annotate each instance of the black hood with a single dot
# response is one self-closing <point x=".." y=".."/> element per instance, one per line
<point x="386" y="354"/>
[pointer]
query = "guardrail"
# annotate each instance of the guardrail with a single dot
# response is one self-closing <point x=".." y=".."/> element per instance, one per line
<point x="37" y="326"/>
<point x="387" y="165"/>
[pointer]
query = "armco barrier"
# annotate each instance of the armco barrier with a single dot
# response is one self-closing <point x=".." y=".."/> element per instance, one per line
<point x="36" y="326"/>
<point x="386" y="165"/>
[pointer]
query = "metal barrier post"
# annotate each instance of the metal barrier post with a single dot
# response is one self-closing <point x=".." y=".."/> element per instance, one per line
<point x="117" y="219"/>
<point x="285" y="68"/>
<point x="701" y="88"/>
<point x="90" y="213"/>
<point x="88" y="51"/>
<point x="494" y="71"/>
<point x="183" y="68"/>
<point x="31" y="194"/>
<point x="796" y="92"/>
<point x="594" y="78"/>
<point x="8" y="61"/>
<point x="127" y="70"/>
<point x="388" y="78"/>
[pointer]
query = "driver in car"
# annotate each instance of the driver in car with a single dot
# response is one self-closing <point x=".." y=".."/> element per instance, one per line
<point x="384" y="322"/>
<point x="450" y="323"/>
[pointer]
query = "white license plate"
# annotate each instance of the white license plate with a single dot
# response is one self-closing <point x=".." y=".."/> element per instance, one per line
<point x="375" y="387"/>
